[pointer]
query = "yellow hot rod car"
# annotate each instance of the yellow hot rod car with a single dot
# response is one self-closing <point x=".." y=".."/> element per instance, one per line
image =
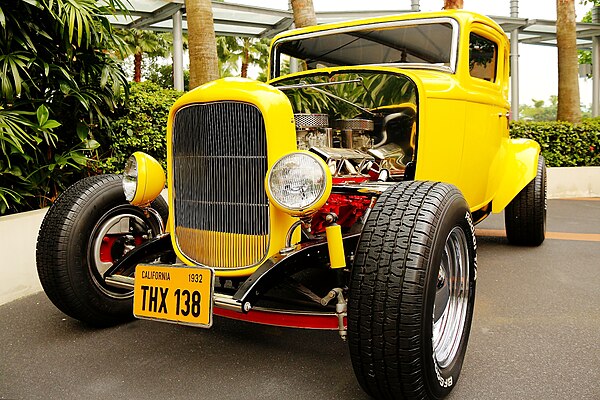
<point x="341" y="195"/>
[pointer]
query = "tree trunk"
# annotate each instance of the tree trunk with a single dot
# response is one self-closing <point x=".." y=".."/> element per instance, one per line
<point x="568" y="65"/>
<point x="137" y="67"/>
<point x="245" y="58"/>
<point x="453" y="4"/>
<point x="202" y="44"/>
<point x="304" y="13"/>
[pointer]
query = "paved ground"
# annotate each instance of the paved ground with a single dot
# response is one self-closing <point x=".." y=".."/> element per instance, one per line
<point x="536" y="335"/>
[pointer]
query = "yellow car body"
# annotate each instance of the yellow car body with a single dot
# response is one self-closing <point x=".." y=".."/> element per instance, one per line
<point x="462" y="126"/>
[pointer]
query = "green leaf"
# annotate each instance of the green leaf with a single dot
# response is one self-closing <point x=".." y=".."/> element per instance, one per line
<point x="82" y="131"/>
<point x="42" y="115"/>
<point x="34" y="3"/>
<point x="2" y="19"/>
<point x="79" y="158"/>
<point x="51" y="124"/>
<point x="91" y="144"/>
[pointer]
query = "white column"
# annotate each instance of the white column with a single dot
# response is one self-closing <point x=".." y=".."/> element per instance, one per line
<point x="596" y="66"/>
<point x="414" y="5"/>
<point x="177" y="51"/>
<point x="514" y="63"/>
<point x="596" y="76"/>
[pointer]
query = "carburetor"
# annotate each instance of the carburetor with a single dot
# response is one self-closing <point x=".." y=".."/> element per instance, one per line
<point x="312" y="130"/>
<point x="355" y="133"/>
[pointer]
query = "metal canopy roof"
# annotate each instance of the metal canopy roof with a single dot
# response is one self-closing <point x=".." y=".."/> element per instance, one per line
<point x="243" y="20"/>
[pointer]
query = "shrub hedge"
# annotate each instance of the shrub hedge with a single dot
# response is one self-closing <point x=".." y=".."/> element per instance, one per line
<point x="563" y="144"/>
<point x="142" y="126"/>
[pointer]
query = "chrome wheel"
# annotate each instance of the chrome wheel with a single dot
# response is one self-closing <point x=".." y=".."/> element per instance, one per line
<point x="451" y="298"/>
<point x="119" y="231"/>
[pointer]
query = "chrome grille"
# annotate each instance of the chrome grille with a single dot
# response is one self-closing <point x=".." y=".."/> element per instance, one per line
<point x="219" y="165"/>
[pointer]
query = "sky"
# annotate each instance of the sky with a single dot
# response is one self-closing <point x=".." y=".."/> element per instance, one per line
<point x="538" y="71"/>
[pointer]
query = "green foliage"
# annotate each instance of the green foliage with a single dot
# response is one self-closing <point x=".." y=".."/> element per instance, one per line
<point x="237" y="53"/>
<point x="162" y="75"/>
<point x="150" y="43"/>
<point x="59" y="83"/>
<point x="142" y="42"/>
<point x="540" y="111"/>
<point x="564" y="144"/>
<point x="585" y="56"/>
<point x="143" y="127"/>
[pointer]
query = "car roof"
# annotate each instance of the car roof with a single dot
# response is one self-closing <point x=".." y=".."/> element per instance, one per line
<point x="461" y="16"/>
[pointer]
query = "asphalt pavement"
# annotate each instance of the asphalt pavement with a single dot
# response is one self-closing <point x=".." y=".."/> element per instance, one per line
<point x="535" y="335"/>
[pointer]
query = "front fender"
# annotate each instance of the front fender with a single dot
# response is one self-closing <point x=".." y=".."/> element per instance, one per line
<point x="519" y="169"/>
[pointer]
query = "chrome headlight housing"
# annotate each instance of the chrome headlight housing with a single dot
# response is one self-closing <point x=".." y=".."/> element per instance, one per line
<point x="299" y="183"/>
<point x="130" y="178"/>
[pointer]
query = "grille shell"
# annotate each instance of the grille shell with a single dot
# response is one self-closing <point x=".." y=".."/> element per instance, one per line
<point x="221" y="210"/>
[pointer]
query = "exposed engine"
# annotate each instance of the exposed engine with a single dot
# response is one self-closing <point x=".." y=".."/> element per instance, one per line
<point x="359" y="149"/>
<point x="365" y="130"/>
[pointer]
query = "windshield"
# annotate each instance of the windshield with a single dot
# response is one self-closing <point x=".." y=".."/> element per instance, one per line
<point x="429" y="42"/>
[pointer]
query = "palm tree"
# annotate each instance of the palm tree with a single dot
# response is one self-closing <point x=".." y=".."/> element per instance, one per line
<point x="247" y="51"/>
<point x="452" y="4"/>
<point x="204" y="63"/>
<point x="140" y="42"/>
<point x="304" y="13"/>
<point x="568" y="68"/>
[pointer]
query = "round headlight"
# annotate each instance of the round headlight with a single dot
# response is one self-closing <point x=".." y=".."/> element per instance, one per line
<point x="143" y="179"/>
<point x="299" y="183"/>
<point x="130" y="178"/>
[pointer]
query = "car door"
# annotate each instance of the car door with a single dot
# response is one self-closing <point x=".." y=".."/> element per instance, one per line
<point x="486" y="128"/>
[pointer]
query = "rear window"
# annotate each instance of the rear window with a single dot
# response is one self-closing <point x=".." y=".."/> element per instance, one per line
<point x="483" y="57"/>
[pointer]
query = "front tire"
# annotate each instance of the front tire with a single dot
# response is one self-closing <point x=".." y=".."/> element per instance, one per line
<point x="89" y="227"/>
<point x="525" y="215"/>
<point x="412" y="292"/>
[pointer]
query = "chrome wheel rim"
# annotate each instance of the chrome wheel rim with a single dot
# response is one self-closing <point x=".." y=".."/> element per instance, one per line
<point x="451" y="298"/>
<point x="117" y="224"/>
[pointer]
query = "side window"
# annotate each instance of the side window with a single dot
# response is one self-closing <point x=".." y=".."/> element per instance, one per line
<point x="483" y="57"/>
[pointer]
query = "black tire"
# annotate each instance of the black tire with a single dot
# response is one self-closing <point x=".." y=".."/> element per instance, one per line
<point x="525" y="215"/>
<point x="65" y="253"/>
<point x="394" y="286"/>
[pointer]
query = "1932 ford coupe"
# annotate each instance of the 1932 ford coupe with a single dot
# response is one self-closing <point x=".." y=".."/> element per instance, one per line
<point x="340" y="195"/>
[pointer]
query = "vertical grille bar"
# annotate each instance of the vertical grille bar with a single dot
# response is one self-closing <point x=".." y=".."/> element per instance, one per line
<point x="219" y="165"/>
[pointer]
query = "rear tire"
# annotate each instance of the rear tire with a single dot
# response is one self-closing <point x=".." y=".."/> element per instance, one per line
<point x="72" y="253"/>
<point x="525" y="215"/>
<point x="412" y="292"/>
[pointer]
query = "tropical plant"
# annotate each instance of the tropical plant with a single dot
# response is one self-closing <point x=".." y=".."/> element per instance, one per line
<point x="585" y="56"/>
<point x="162" y="75"/>
<point x="139" y="42"/>
<point x="243" y="52"/>
<point x="59" y="82"/>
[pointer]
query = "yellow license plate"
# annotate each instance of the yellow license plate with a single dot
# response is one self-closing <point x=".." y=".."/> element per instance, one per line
<point x="177" y="294"/>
